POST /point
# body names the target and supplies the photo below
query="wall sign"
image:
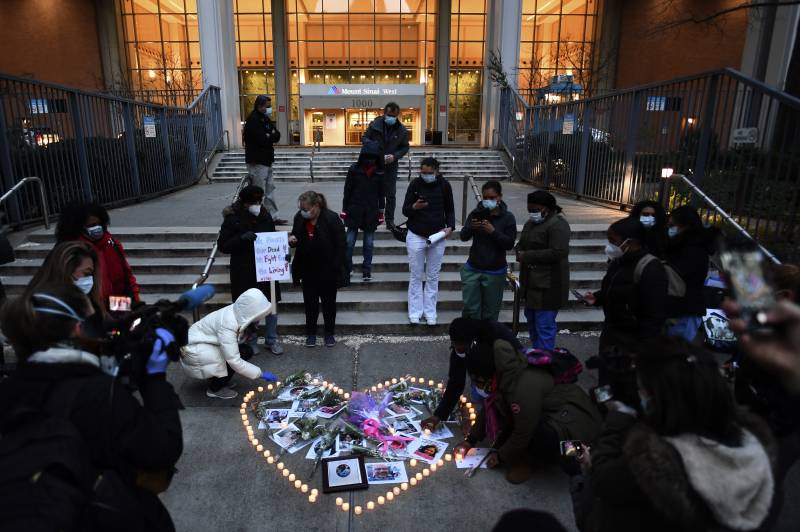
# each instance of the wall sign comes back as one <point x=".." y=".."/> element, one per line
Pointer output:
<point x="744" y="135"/>
<point x="568" y="127"/>
<point x="149" y="127"/>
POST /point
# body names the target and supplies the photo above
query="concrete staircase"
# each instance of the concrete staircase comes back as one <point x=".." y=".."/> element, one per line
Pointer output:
<point x="167" y="261"/>
<point x="331" y="164"/>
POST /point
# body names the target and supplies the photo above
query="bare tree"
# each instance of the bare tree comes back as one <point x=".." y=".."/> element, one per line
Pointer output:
<point x="666" y="19"/>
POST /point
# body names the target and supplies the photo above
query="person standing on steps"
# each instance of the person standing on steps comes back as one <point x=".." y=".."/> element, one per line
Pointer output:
<point x="362" y="205"/>
<point x="318" y="236"/>
<point x="246" y="217"/>
<point x="431" y="214"/>
<point x="259" y="136"/>
<point x="392" y="137"/>
<point x="493" y="231"/>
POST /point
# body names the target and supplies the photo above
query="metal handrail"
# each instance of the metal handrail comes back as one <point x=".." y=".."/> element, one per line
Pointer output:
<point x="311" y="165"/>
<point x="214" y="250"/>
<point x="213" y="152"/>
<point x="725" y="216"/>
<point x="409" y="165"/>
<point x="42" y="196"/>
<point x="468" y="182"/>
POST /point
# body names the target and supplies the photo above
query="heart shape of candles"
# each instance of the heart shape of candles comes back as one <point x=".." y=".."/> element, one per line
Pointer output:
<point x="378" y="495"/>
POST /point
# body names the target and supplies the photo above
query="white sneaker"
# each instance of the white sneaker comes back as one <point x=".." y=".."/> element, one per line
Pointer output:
<point x="413" y="320"/>
<point x="430" y="321"/>
<point x="224" y="393"/>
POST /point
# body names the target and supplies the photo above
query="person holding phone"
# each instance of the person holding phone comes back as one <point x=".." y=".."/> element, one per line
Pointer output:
<point x="543" y="254"/>
<point x="430" y="211"/>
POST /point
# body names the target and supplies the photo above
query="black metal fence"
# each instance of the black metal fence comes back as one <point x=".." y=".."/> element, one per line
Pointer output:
<point x="737" y="139"/>
<point x="97" y="147"/>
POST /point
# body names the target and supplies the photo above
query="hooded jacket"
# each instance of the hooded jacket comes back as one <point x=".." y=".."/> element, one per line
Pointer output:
<point x="526" y="397"/>
<point x="488" y="251"/>
<point x="363" y="193"/>
<point x="643" y="481"/>
<point x="544" y="252"/>
<point x="214" y="340"/>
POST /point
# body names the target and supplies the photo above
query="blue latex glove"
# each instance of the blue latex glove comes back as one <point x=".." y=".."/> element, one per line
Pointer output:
<point x="269" y="377"/>
<point x="158" y="361"/>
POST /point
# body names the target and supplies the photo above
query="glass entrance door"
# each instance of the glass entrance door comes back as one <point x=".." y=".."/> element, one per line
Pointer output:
<point x="357" y="122"/>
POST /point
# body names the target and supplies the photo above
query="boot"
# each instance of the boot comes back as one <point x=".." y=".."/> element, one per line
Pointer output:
<point x="518" y="472"/>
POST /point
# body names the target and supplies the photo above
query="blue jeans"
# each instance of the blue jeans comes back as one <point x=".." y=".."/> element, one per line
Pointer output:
<point x="368" y="241"/>
<point x="270" y="332"/>
<point x="686" y="327"/>
<point x="542" y="327"/>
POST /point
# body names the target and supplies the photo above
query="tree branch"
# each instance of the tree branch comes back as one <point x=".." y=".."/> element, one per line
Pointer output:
<point x="710" y="18"/>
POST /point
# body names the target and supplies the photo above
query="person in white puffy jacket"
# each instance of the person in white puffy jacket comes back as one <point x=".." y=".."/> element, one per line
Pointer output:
<point x="212" y="352"/>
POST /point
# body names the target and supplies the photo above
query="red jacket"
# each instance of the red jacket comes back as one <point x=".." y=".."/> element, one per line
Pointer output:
<point x="118" y="278"/>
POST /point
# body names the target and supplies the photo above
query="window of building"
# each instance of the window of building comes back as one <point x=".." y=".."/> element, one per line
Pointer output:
<point x="252" y="20"/>
<point x="557" y="38"/>
<point x="467" y="38"/>
<point x="162" y="44"/>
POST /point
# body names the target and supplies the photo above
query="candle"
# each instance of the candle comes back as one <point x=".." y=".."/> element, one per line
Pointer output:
<point x="394" y="381"/>
<point x="298" y="483"/>
<point x="427" y="432"/>
<point x="244" y="416"/>
<point x="347" y="396"/>
<point x="412" y="481"/>
<point x="285" y="472"/>
<point x="315" y="492"/>
<point x="346" y="507"/>
<point x="469" y="405"/>
<point x="396" y="490"/>
<point x="387" y="383"/>
<point x="244" y="405"/>
<point x="418" y="476"/>
<point x="440" y="386"/>
<point x="404" y="486"/>
<point x="339" y="501"/>
<point x="312" y="498"/>
<point x="266" y="453"/>
<point x="440" y="463"/>
<point x="357" y="510"/>
<point x="280" y="465"/>
<point x="389" y="496"/>
<point x="381" y="500"/>
<point x="277" y="384"/>
<point x="270" y="460"/>
<point x="292" y="476"/>
<point x="325" y="384"/>
<point x="269" y="387"/>
<point x="304" y="488"/>
<point x="259" y="447"/>
<point x="448" y="457"/>
<point x="431" y="382"/>
<point x="315" y="382"/>
<point x="260" y="389"/>
<point x="374" y="389"/>
<point x="463" y="399"/>
<point x="370" y="505"/>
<point x="413" y="379"/>
<point x="413" y="462"/>
<point x="380" y="386"/>
<point x="255" y="441"/>
<point x="426" y="472"/>
<point x="243" y="411"/>
<point x="433" y="468"/>
<point x="472" y="417"/>
<point x="422" y="380"/>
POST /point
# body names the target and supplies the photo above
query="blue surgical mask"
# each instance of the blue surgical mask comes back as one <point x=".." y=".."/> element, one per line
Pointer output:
<point x="268" y="111"/>
<point x="85" y="284"/>
<point x="95" y="232"/>
<point x="672" y="232"/>
<point x="389" y="120"/>
<point x="489" y="204"/>
<point x="482" y="393"/>
<point x="536" y="217"/>
<point x="428" y="178"/>
<point x="647" y="221"/>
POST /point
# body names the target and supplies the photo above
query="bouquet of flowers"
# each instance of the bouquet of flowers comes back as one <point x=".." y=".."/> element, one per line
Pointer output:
<point x="309" y="427"/>
<point x="298" y="379"/>
<point x="330" y="398"/>
<point x="327" y="443"/>
<point x="433" y="399"/>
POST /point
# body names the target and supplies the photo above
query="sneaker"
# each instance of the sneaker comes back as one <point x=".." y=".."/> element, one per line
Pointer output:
<point x="366" y="277"/>
<point x="413" y="320"/>
<point x="311" y="341"/>
<point x="223" y="393"/>
<point x="275" y="348"/>
<point x="430" y="321"/>
<point x="330" y="341"/>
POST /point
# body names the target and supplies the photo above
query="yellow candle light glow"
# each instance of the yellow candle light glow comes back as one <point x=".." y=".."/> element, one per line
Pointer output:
<point x="298" y="483"/>
<point x="413" y="379"/>
<point x="404" y="486"/>
<point x="426" y="472"/>
<point x="278" y="384"/>
<point x="286" y="473"/>
<point x="259" y="447"/>
<point x="448" y="457"/>
<point x="266" y="453"/>
<point x="413" y="462"/>
<point x="469" y="405"/>
<point x="304" y="488"/>
<point x="387" y="383"/>
<point x="255" y="441"/>
<point x="244" y="416"/>
<point x="315" y="492"/>
<point x="370" y="505"/>
<point x="394" y="381"/>
<point x="374" y="389"/>
<point x="357" y="510"/>
<point x="269" y="387"/>
<point x="280" y="465"/>
<point x="396" y="490"/>
<point x="440" y="463"/>
<point x="389" y="496"/>
<point x="440" y="386"/>
<point x="463" y="399"/>
<point x="244" y="405"/>
<point x="431" y="382"/>
<point x="325" y="384"/>
<point x="422" y="380"/>
<point x="312" y="498"/>
<point x="339" y="501"/>
<point x="347" y="396"/>
<point x="315" y="382"/>
<point x="270" y="460"/>
<point x="433" y="468"/>
<point x="381" y="500"/>
<point x="345" y="506"/>
<point x="260" y="389"/>
<point x="412" y="481"/>
<point x="380" y="386"/>
<point x="427" y="432"/>
<point x="418" y="476"/>
<point x="292" y="476"/>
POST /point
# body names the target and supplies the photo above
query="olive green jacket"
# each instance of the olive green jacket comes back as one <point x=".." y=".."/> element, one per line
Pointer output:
<point x="544" y="253"/>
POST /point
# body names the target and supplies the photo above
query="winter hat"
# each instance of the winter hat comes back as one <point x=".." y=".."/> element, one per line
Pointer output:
<point x="251" y="194"/>
<point x="261" y="100"/>
<point x="629" y="228"/>
<point x="541" y="197"/>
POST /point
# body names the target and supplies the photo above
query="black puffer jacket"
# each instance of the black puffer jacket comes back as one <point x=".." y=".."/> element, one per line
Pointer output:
<point x="392" y="140"/>
<point x="439" y="213"/>
<point x="259" y="135"/>
<point x="688" y="253"/>
<point x="321" y="257"/>
<point x="238" y="221"/>
<point x="363" y="197"/>
<point x="488" y="251"/>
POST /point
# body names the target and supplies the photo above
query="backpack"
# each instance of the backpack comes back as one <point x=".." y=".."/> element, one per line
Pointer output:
<point x="47" y="479"/>
<point x="564" y="366"/>
<point x="676" y="286"/>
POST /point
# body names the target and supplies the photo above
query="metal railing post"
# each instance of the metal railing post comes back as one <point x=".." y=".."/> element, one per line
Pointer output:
<point x="464" y="188"/>
<point x="167" y="151"/>
<point x="80" y="144"/>
<point x="583" y="164"/>
<point x="630" y="149"/>
<point x="130" y="145"/>
<point x="191" y="144"/>
<point x="42" y="196"/>
<point x="7" y="167"/>
<point x="705" y="130"/>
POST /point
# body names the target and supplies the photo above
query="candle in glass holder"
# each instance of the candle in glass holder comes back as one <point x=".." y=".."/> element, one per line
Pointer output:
<point x="380" y="386"/>
<point x="440" y="463"/>
<point x="345" y="506"/>
<point x="413" y="380"/>
<point x="339" y="501"/>
<point x="259" y="447"/>
<point x="413" y="462"/>
<point x="418" y="476"/>
<point x="463" y="399"/>
<point x="448" y="457"/>
<point x="277" y="384"/>
<point x="286" y="473"/>
<point x="254" y="441"/>
<point x="298" y="483"/>
<point x="357" y="510"/>
<point x="422" y="380"/>
<point x="312" y="498"/>
<point x="370" y="505"/>
<point x="433" y="468"/>
<point x="394" y="381"/>
<point x="412" y="481"/>
<point x="404" y="486"/>
<point x="389" y="496"/>
<point x="396" y="490"/>
<point x="440" y="386"/>
<point x="269" y="387"/>
<point x="381" y="500"/>
<point x="292" y="477"/>
<point x="431" y="382"/>
<point x="260" y="389"/>
<point x="374" y="389"/>
<point x="304" y="488"/>
<point x="244" y="416"/>
<point x="469" y="405"/>
<point x="266" y="453"/>
<point x="387" y="383"/>
<point x="280" y="465"/>
<point x="270" y="460"/>
<point x="315" y="492"/>
<point x="347" y="396"/>
<point x="426" y="472"/>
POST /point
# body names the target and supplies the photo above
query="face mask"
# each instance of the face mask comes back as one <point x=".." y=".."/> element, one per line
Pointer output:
<point x="647" y="221"/>
<point x="428" y="178"/>
<point x="672" y="232"/>
<point x="268" y="111"/>
<point x="613" y="251"/>
<point x="482" y="393"/>
<point x="460" y="355"/>
<point x="389" y="120"/>
<point x="489" y="204"/>
<point x="255" y="210"/>
<point x="95" y="232"/>
<point x="85" y="284"/>
<point x="536" y="217"/>
<point x="305" y="214"/>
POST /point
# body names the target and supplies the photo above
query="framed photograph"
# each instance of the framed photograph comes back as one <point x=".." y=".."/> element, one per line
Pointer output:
<point x="386" y="473"/>
<point x="344" y="473"/>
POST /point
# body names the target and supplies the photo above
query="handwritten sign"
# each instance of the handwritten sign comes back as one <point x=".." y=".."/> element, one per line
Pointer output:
<point x="270" y="251"/>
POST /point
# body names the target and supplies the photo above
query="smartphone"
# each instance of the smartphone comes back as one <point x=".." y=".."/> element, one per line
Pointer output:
<point x="572" y="448"/>
<point x="745" y="270"/>
<point x="119" y="303"/>
<point x="420" y="197"/>
<point x="603" y="393"/>
<point x="579" y="297"/>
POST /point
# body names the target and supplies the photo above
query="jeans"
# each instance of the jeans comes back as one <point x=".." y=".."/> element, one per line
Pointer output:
<point x="270" y="329"/>
<point x="686" y="327"/>
<point x="390" y="191"/>
<point x="482" y="294"/>
<point x="542" y="327"/>
<point x="424" y="264"/>
<point x="261" y="176"/>
<point x="314" y="291"/>
<point x="368" y="243"/>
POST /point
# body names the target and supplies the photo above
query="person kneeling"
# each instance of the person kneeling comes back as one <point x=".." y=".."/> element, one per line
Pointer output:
<point x="213" y="349"/>
<point x="526" y="414"/>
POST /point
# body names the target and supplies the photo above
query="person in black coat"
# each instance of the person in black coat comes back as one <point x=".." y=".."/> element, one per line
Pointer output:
<point x="319" y="262"/>
<point x="258" y="137"/>
<point x="653" y="218"/>
<point x="246" y="217"/>
<point x="362" y="205"/>
<point x="634" y="309"/>
<point x="688" y="250"/>
<point x="138" y="442"/>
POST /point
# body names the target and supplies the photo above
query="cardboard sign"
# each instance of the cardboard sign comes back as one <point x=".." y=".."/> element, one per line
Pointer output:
<point x="271" y="250"/>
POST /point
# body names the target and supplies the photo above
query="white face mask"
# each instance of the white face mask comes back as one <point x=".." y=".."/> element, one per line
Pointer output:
<point x="269" y="111"/>
<point x="647" y="221"/>
<point x="460" y="355"/>
<point x="95" y="232"/>
<point x="85" y="284"/>
<point x="255" y="210"/>
<point x="305" y="214"/>
<point x="672" y="232"/>
<point x="428" y="178"/>
<point x="613" y="251"/>
<point x="536" y="217"/>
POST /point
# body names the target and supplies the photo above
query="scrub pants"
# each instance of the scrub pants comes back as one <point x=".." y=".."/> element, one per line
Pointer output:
<point x="482" y="294"/>
<point x="542" y="327"/>
<point x="425" y="265"/>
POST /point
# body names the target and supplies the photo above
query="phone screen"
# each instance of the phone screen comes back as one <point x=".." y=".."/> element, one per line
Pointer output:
<point x="603" y="393"/>
<point x="748" y="280"/>
<point x="571" y="448"/>
<point x="119" y="303"/>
